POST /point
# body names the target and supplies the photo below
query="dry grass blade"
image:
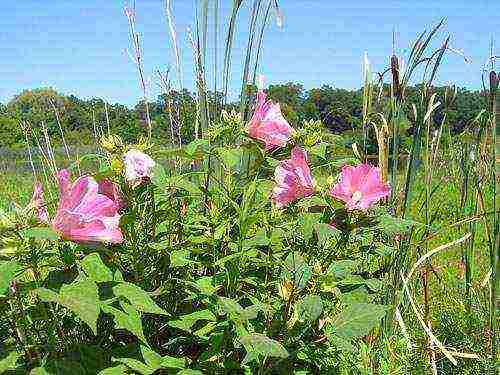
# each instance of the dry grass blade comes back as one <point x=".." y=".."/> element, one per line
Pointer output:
<point x="427" y="330"/>
<point x="433" y="252"/>
<point x="173" y="35"/>
<point x="404" y="331"/>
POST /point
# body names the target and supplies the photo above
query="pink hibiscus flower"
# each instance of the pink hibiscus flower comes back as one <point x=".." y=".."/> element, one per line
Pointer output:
<point x="268" y="124"/>
<point x="38" y="203"/>
<point x="360" y="187"/>
<point x="84" y="214"/>
<point x="109" y="189"/>
<point x="293" y="179"/>
<point x="138" y="167"/>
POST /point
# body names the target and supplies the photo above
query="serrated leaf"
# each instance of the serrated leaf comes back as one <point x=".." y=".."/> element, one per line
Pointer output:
<point x="204" y="285"/>
<point x="7" y="272"/>
<point x="152" y="359"/>
<point x="159" y="176"/>
<point x="117" y="370"/>
<point x="342" y="268"/>
<point x="40" y="233"/>
<point x="374" y="284"/>
<point x="309" y="308"/>
<point x="173" y="362"/>
<point x="358" y="319"/>
<point x="312" y="201"/>
<point x="229" y="306"/>
<point x="138" y="298"/>
<point x="341" y="343"/>
<point x="392" y="225"/>
<point x="9" y="362"/>
<point x="60" y="367"/>
<point x="325" y="232"/>
<point x="260" y="239"/>
<point x="263" y="345"/>
<point x="186" y="322"/>
<point x="136" y="365"/>
<point x="358" y="295"/>
<point x="297" y="270"/>
<point x="129" y="320"/>
<point x="306" y="222"/>
<point x="351" y="280"/>
<point x="81" y="297"/>
<point x="230" y="156"/>
<point x="196" y="149"/>
<point x="94" y="268"/>
<point x="179" y="258"/>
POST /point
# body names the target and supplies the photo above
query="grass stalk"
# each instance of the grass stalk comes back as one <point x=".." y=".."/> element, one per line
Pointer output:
<point x="495" y="249"/>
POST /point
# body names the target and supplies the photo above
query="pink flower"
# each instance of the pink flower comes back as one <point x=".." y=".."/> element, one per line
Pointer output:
<point x="360" y="187"/>
<point x="38" y="203"/>
<point x="293" y="179"/>
<point x="84" y="215"/>
<point x="268" y="124"/>
<point x="109" y="189"/>
<point x="138" y="167"/>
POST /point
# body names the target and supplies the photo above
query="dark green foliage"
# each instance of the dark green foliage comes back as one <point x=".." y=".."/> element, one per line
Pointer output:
<point x="338" y="109"/>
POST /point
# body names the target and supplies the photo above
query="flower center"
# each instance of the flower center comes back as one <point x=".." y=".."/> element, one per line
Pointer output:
<point x="356" y="196"/>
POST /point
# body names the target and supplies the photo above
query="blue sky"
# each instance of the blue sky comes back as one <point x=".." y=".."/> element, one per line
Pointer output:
<point x="77" y="46"/>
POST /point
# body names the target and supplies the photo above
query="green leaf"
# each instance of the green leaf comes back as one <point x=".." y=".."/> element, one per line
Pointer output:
<point x="260" y="239"/>
<point x="342" y="268"/>
<point x="117" y="370"/>
<point x="358" y="295"/>
<point x="40" y="233"/>
<point x="153" y="359"/>
<point x="189" y="371"/>
<point x="186" y="322"/>
<point x="312" y="201"/>
<point x="60" y="367"/>
<point x="173" y="362"/>
<point x="230" y="156"/>
<point x="392" y="225"/>
<point x="81" y="297"/>
<point x="297" y="270"/>
<point x="263" y="345"/>
<point x="94" y="267"/>
<point x="309" y="308"/>
<point x="341" y="343"/>
<point x="129" y="320"/>
<point x="351" y="280"/>
<point x="138" y="298"/>
<point x="179" y="258"/>
<point x="229" y="306"/>
<point x="196" y="149"/>
<point x="374" y="284"/>
<point x="358" y="319"/>
<point x="307" y="221"/>
<point x="7" y="272"/>
<point x="39" y="371"/>
<point x="159" y="176"/>
<point x="204" y="285"/>
<point x="9" y="362"/>
<point x="325" y="232"/>
<point x="319" y="150"/>
<point x="136" y="365"/>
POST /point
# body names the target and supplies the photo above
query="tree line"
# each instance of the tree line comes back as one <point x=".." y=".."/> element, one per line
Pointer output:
<point x="340" y="110"/>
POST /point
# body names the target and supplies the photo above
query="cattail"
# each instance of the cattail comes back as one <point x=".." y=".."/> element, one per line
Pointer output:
<point x="494" y="78"/>
<point x="395" y="77"/>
